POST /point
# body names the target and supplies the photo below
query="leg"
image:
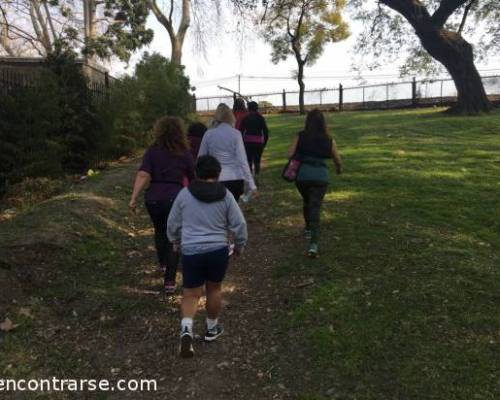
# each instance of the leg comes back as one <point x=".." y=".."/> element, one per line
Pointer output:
<point x="248" y="149"/>
<point x="303" y="189"/>
<point x="189" y="303"/>
<point x="216" y="262"/>
<point x="172" y="258"/>
<point x="214" y="299"/>
<point x="193" y="281"/>
<point x="258" y="156"/>
<point x="159" y="217"/>
<point x="235" y="187"/>
<point x="317" y="193"/>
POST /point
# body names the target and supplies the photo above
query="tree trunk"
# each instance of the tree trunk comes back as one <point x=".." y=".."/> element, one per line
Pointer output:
<point x="455" y="53"/>
<point x="302" y="87"/>
<point x="176" y="57"/>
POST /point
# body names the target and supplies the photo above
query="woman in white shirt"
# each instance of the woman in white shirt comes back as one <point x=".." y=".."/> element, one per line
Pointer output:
<point x="225" y="143"/>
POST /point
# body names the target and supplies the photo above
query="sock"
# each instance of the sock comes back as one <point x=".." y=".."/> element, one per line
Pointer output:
<point x="187" y="323"/>
<point x="212" y="323"/>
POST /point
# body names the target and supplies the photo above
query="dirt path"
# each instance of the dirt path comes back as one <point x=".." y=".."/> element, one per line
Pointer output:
<point x="89" y="326"/>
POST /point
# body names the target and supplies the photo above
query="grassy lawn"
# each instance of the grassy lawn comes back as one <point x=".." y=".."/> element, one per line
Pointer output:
<point x="404" y="302"/>
<point x="406" y="299"/>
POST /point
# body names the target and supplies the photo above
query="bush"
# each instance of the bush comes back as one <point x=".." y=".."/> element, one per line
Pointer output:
<point x="157" y="88"/>
<point x="49" y="129"/>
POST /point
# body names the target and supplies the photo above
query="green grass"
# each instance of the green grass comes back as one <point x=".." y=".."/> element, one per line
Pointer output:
<point x="406" y="300"/>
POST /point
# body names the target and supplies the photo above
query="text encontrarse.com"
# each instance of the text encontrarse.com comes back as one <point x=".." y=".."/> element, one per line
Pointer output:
<point x="77" y="385"/>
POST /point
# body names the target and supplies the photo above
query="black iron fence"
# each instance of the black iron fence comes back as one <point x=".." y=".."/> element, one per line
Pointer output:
<point x="12" y="79"/>
<point x="414" y="93"/>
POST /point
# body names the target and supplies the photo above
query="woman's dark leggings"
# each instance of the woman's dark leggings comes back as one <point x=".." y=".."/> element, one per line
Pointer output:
<point x="312" y="193"/>
<point x="158" y="211"/>
<point x="237" y="187"/>
<point x="254" y="155"/>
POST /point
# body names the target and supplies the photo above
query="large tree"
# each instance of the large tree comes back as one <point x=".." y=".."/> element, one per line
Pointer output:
<point x="445" y="29"/>
<point x="96" y="27"/>
<point x="202" y="17"/>
<point x="302" y="28"/>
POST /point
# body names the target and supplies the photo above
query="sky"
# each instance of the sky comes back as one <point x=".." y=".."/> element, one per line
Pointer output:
<point x="229" y="56"/>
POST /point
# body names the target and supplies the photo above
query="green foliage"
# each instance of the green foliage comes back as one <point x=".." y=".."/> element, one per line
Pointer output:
<point x="51" y="128"/>
<point x="158" y="88"/>
<point x="388" y="36"/>
<point x="302" y="28"/>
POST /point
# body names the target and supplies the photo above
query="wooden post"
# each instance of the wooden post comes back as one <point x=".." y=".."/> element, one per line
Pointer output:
<point x="414" y="92"/>
<point x="341" y="97"/>
<point x="284" y="100"/>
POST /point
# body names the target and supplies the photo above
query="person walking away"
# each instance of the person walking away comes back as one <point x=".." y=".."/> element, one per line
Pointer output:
<point x="239" y="111"/>
<point x="165" y="166"/>
<point x="255" y="137"/>
<point x="226" y="144"/>
<point x="201" y="217"/>
<point x="196" y="130"/>
<point x="314" y="147"/>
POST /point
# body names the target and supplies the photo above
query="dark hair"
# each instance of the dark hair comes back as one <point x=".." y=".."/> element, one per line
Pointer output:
<point x="197" y="129"/>
<point x="253" y="106"/>
<point x="316" y="124"/>
<point x="207" y="167"/>
<point x="239" y="105"/>
<point x="170" y="134"/>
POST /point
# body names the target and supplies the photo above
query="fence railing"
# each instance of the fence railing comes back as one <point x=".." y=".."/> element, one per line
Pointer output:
<point x="412" y="93"/>
<point x="12" y="79"/>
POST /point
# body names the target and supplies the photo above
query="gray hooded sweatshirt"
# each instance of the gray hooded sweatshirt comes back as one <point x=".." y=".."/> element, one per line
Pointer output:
<point x="202" y="215"/>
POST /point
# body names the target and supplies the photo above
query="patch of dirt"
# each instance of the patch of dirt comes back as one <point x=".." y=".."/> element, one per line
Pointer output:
<point x="241" y="364"/>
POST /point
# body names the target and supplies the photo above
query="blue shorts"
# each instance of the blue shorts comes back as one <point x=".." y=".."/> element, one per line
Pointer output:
<point x="200" y="268"/>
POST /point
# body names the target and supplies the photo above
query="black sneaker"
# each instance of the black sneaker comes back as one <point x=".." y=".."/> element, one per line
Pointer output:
<point x="187" y="350"/>
<point x="214" y="333"/>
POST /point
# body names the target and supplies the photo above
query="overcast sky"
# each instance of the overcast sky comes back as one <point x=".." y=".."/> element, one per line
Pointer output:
<point x="227" y="57"/>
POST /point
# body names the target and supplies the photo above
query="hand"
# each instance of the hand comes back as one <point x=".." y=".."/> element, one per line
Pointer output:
<point x="176" y="247"/>
<point x="132" y="206"/>
<point x="238" y="251"/>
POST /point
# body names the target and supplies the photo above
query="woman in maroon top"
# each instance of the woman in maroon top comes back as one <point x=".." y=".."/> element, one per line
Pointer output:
<point x="165" y="166"/>
<point x="239" y="111"/>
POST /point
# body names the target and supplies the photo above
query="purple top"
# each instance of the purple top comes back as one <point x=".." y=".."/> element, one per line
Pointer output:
<point x="168" y="172"/>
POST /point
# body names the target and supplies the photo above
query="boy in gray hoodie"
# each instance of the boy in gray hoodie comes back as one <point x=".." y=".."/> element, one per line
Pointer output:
<point x="200" y="219"/>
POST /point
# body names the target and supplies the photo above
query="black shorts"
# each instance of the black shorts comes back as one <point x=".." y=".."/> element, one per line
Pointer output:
<point x="200" y="268"/>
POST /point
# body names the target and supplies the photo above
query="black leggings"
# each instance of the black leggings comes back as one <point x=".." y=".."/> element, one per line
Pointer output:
<point x="158" y="211"/>
<point x="312" y="193"/>
<point x="235" y="187"/>
<point x="254" y="155"/>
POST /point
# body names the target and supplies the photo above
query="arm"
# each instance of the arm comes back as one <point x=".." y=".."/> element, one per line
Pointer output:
<point x="265" y="130"/>
<point x="203" y="146"/>
<point x="142" y="180"/>
<point x="174" y="222"/>
<point x="237" y="224"/>
<point x="336" y="158"/>
<point x="241" y="156"/>
<point x="293" y="147"/>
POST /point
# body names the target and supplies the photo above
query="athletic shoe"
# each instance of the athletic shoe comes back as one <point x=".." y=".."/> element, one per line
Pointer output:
<point x="214" y="333"/>
<point x="186" y="350"/>
<point x="313" y="250"/>
<point x="169" y="287"/>
<point x="308" y="234"/>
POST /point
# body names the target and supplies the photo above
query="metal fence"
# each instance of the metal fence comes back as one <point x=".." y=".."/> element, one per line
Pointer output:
<point x="412" y="93"/>
<point x="12" y="79"/>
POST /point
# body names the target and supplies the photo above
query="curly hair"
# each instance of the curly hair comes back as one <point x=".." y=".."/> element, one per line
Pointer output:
<point x="170" y="134"/>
